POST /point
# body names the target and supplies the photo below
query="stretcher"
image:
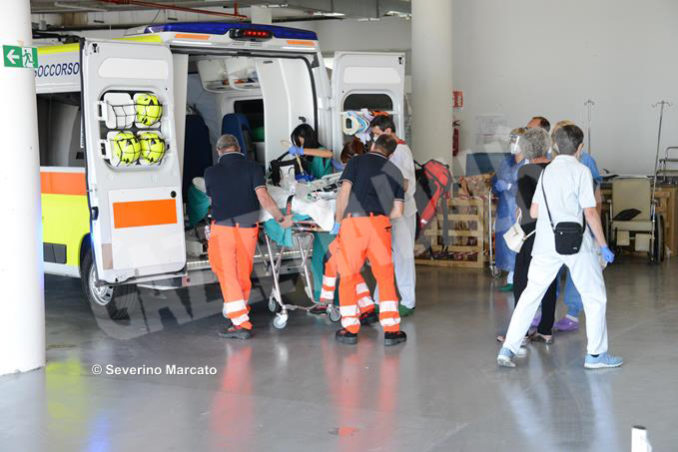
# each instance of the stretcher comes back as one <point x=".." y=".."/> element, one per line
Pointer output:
<point x="302" y="244"/>
<point x="302" y="238"/>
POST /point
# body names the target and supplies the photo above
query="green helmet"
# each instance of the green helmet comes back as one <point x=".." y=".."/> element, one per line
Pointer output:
<point x="148" y="109"/>
<point x="152" y="148"/>
<point x="126" y="149"/>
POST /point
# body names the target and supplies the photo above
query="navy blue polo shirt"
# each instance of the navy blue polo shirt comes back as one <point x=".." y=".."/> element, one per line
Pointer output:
<point x="376" y="184"/>
<point x="232" y="185"/>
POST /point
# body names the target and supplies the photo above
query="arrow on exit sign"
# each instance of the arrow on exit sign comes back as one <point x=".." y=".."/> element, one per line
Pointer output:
<point x="20" y="57"/>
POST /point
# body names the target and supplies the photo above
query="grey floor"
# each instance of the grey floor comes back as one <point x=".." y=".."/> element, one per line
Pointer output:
<point x="297" y="390"/>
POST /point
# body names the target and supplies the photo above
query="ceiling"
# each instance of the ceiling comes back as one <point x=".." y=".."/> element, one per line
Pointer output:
<point x="282" y="10"/>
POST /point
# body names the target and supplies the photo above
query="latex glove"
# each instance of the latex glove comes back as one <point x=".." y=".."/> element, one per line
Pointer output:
<point x="335" y="229"/>
<point x="502" y="185"/>
<point x="295" y="150"/>
<point x="607" y="254"/>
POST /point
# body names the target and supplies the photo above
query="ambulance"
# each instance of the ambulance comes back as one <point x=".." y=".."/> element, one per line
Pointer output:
<point x="119" y="146"/>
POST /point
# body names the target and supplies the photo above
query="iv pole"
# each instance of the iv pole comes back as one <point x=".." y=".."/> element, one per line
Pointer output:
<point x="589" y="105"/>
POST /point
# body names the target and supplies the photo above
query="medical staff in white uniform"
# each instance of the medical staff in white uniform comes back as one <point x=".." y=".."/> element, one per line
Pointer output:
<point x="405" y="227"/>
<point x="565" y="194"/>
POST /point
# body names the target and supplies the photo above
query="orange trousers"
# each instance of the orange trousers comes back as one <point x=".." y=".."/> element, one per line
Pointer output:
<point x="365" y="302"/>
<point x="360" y="238"/>
<point x="231" y="254"/>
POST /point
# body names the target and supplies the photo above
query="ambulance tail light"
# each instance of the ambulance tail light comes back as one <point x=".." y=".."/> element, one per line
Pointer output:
<point x="250" y="35"/>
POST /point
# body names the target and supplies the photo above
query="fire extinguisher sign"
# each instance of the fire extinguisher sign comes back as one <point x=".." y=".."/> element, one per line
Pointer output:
<point x="458" y="97"/>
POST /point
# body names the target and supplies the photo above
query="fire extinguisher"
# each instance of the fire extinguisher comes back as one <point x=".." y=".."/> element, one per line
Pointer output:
<point x="455" y="138"/>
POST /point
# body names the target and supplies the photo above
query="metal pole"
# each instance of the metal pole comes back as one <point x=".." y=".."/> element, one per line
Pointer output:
<point x="661" y="104"/>
<point x="22" y="309"/>
<point x="589" y="104"/>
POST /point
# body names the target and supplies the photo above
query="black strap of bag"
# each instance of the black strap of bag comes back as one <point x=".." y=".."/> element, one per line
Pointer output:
<point x="569" y="235"/>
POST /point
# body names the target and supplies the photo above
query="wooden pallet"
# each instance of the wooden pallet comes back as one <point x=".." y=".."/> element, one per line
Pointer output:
<point x="466" y="234"/>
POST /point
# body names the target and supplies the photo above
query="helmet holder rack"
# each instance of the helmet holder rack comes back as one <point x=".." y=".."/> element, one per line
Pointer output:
<point x="121" y="116"/>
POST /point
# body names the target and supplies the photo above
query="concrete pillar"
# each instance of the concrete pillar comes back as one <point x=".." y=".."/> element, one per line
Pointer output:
<point x="432" y="79"/>
<point x="22" y="307"/>
<point x="260" y="15"/>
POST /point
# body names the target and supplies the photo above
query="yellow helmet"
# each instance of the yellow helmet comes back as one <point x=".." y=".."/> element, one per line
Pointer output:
<point x="148" y="109"/>
<point x="152" y="148"/>
<point x="126" y="149"/>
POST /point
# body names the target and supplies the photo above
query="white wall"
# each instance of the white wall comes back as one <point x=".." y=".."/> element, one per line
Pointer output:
<point x="534" y="57"/>
<point x="528" y="57"/>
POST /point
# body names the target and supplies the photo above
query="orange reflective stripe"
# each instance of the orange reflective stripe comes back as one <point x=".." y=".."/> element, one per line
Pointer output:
<point x="301" y="43"/>
<point x="62" y="183"/>
<point x="133" y="214"/>
<point x="191" y="36"/>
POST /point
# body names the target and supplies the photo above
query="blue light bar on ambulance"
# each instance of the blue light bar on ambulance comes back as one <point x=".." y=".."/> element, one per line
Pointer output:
<point x="220" y="28"/>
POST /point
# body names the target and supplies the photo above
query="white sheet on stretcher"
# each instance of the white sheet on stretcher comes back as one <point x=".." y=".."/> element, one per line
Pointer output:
<point x="320" y="207"/>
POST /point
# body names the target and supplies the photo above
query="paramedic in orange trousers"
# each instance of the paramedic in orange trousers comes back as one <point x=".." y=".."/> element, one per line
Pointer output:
<point x="371" y="193"/>
<point x="238" y="191"/>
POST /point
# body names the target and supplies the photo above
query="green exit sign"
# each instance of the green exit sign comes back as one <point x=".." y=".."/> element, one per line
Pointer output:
<point x="20" y="57"/>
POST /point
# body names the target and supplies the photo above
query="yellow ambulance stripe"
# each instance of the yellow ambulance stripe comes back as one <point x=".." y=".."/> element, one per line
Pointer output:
<point x="146" y="38"/>
<point x="65" y="220"/>
<point x="63" y="48"/>
<point x="75" y="47"/>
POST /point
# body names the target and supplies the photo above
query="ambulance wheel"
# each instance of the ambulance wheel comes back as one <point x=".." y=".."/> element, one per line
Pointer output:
<point x="333" y="313"/>
<point x="113" y="302"/>
<point x="280" y="321"/>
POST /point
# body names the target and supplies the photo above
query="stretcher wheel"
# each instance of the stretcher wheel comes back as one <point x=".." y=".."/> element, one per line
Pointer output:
<point x="280" y="321"/>
<point x="333" y="313"/>
<point x="272" y="305"/>
<point x="495" y="272"/>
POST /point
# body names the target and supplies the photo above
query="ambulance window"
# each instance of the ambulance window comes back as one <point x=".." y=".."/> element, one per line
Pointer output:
<point x="59" y="122"/>
<point x="381" y="102"/>
<point x="253" y="110"/>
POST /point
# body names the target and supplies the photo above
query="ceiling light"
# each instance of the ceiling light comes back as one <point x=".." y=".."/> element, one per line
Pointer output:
<point x="400" y="14"/>
<point x="275" y="5"/>
<point x="328" y="14"/>
<point x="369" y="19"/>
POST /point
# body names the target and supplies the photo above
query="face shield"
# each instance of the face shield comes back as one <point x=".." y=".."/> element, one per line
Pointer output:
<point x="513" y="144"/>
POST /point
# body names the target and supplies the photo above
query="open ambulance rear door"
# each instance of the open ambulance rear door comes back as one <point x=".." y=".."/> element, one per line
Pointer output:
<point x="134" y="190"/>
<point x="371" y="80"/>
<point x="289" y="92"/>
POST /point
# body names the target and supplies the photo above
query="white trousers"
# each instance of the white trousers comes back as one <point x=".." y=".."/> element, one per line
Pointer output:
<point x="403" y="231"/>
<point x="588" y="279"/>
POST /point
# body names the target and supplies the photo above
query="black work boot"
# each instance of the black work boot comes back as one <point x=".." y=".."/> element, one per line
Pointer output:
<point x="369" y="317"/>
<point x="346" y="337"/>
<point x="235" y="332"/>
<point x="394" y="338"/>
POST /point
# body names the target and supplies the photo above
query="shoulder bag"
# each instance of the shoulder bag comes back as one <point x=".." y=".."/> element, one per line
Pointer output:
<point x="568" y="234"/>
<point x="515" y="236"/>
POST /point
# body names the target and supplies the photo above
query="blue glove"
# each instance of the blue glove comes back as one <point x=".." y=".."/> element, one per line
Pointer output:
<point x="607" y="253"/>
<point x="335" y="229"/>
<point x="502" y="185"/>
<point x="295" y="150"/>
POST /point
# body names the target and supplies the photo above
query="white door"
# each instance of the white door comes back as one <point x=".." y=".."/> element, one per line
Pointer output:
<point x="289" y="100"/>
<point x="371" y="80"/>
<point x="133" y="172"/>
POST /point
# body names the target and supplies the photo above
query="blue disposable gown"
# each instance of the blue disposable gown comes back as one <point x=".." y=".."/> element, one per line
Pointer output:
<point x="506" y="210"/>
